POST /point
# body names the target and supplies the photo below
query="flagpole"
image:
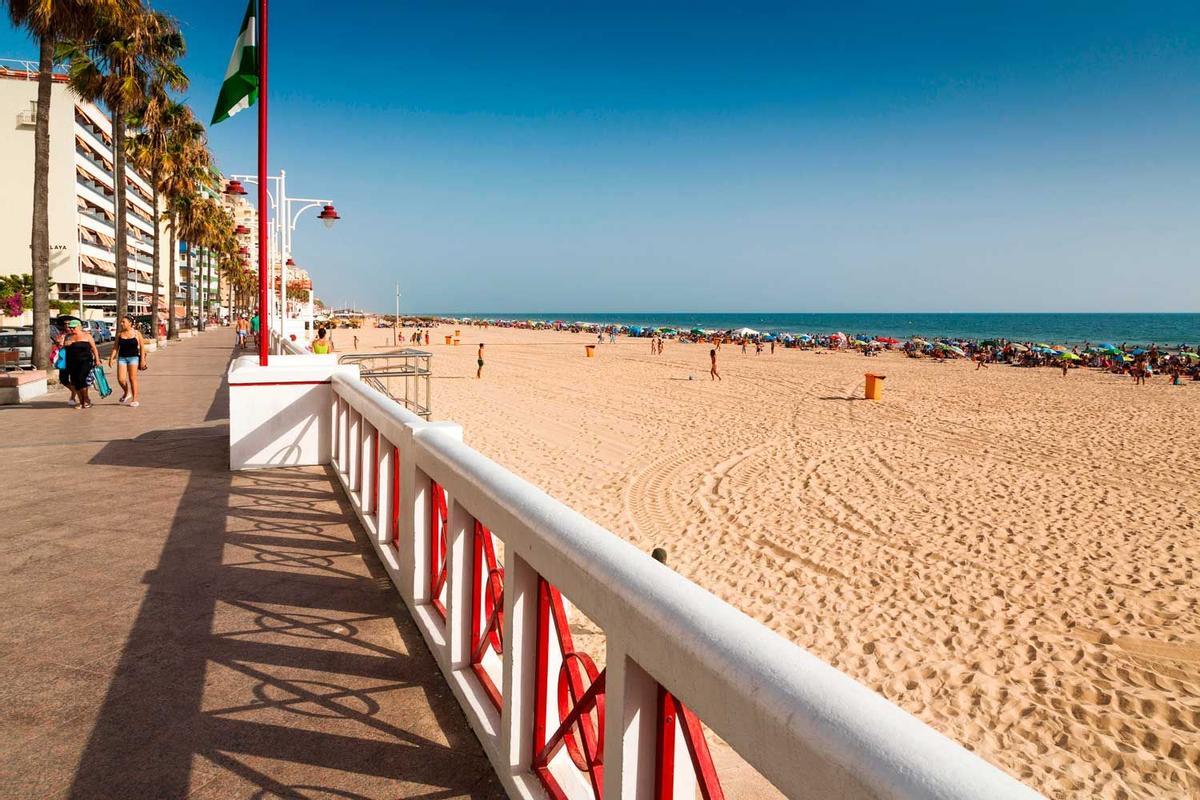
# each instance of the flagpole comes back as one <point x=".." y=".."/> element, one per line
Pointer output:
<point x="264" y="316"/>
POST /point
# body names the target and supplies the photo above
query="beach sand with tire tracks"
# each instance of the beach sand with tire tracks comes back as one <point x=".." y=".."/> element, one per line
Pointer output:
<point x="1008" y="554"/>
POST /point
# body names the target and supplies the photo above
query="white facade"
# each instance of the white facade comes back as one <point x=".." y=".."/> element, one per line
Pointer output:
<point x="82" y="207"/>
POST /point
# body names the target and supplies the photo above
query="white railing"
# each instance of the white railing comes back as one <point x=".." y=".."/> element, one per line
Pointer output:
<point x="810" y="730"/>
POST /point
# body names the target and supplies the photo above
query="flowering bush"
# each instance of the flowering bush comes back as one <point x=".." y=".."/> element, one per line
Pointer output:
<point x="14" y="305"/>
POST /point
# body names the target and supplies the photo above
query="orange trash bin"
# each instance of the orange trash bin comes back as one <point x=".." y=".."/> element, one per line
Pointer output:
<point x="874" y="386"/>
<point x="449" y="339"/>
<point x="591" y="350"/>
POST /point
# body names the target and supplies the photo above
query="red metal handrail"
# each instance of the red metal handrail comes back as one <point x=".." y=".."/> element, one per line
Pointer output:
<point x="487" y="609"/>
<point x="577" y="701"/>
<point x="673" y="715"/>
<point x="438" y="523"/>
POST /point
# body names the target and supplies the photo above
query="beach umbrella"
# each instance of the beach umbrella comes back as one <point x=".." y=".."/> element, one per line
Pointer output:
<point x="745" y="332"/>
<point x="1106" y="346"/>
<point x="1193" y="356"/>
<point x="1020" y="348"/>
<point x="1139" y="351"/>
<point x="1068" y="356"/>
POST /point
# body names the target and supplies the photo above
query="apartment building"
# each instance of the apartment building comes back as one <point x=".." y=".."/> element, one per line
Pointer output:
<point x="82" y="212"/>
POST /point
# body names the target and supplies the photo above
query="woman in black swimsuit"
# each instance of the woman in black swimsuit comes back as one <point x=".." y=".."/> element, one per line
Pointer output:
<point x="82" y="355"/>
<point x="130" y="356"/>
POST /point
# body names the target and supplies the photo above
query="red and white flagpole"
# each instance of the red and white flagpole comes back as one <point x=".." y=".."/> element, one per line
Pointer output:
<point x="264" y="319"/>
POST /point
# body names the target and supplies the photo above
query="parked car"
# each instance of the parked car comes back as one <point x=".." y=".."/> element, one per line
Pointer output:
<point x="96" y="328"/>
<point x="20" y="341"/>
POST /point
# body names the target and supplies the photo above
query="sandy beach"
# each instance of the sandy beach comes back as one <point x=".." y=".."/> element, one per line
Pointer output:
<point x="1009" y="554"/>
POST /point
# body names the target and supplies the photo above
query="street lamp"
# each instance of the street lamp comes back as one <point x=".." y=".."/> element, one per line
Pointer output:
<point x="284" y="224"/>
<point x="234" y="187"/>
<point x="329" y="215"/>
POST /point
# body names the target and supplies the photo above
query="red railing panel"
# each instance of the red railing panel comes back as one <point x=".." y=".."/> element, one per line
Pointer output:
<point x="580" y="702"/>
<point x="375" y="483"/>
<point x="487" y="609"/>
<point x="439" y="521"/>
<point x="674" y="716"/>
<point x="394" y="509"/>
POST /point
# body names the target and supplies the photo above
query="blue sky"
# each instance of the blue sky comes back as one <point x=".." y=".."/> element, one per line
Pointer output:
<point x="730" y="157"/>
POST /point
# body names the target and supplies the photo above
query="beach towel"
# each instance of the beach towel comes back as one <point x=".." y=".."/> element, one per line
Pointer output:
<point x="101" y="381"/>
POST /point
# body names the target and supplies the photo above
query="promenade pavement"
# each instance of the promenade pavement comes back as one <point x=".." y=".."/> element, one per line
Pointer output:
<point x="171" y="629"/>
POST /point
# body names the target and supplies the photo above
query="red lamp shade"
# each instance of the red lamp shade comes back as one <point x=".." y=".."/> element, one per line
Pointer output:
<point x="244" y="251"/>
<point x="290" y="262"/>
<point x="329" y="216"/>
<point x="235" y="188"/>
<point x="241" y="230"/>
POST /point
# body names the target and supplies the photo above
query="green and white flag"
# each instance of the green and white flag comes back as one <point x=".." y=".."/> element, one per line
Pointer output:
<point x="240" y="89"/>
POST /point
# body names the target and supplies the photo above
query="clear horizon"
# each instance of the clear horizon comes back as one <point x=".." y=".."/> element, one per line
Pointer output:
<point x="932" y="156"/>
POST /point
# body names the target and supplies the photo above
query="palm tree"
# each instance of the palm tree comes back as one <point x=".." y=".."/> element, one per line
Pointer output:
<point x="133" y="50"/>
<point x="50" y="22"/>
<point x="185" y="165"/>
<point x="148" y="149"/>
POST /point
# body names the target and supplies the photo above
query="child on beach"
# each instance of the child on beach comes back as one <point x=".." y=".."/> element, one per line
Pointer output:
<point x="479" y="362"/>
<point x="713" y="375"/>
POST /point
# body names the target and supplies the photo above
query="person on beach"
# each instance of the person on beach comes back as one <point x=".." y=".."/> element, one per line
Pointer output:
<point x="713" y="375"/>
<point x="479" y="362"/>
<point x="654" y="345"/>
<point x="757" y="347"/>
<point x="129" y="353"/>
<point x="426" y="338"/>
<point x="322" y="345"/>
<point x="82" y="356"/>
<point x="1063" y="364"/>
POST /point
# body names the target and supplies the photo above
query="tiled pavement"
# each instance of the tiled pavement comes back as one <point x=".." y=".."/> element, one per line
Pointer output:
<point x="171" y="629"/>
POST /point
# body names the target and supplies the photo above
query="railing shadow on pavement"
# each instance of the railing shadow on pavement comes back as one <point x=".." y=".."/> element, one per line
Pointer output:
<point x="261" y="662"/>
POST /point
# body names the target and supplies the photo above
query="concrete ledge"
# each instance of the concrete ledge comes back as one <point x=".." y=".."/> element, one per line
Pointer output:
<point x="280" y="415"/>
<point x="21" y="386"/>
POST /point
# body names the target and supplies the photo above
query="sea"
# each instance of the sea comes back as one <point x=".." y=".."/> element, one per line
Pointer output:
<point x="1164" y="329"/>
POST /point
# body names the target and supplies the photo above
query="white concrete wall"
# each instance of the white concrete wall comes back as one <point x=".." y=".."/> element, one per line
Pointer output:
<point x="279" y="415"/>
<point x="16" y="178"/>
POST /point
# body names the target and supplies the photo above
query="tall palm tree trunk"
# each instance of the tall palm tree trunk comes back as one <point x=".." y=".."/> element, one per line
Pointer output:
<point x="172" y="329"/>
<point x="155" y="270"/>
<point x="118" y="148"/>
<point x="208" y="287"/>
<point x="39" y="244"/>
<point x="187" y="308"/>
<point x="202" y="291"/>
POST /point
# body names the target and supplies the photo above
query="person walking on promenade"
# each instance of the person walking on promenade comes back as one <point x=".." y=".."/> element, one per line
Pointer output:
<point x="713" y="375"/>
<point x="82" y="355"/>
<point x="322" y="344"/>
<point x="479" y="362"/>
<point x="242" y="329"/>
<point x="130" y="355"/>
<point x="58" y="358"/>
<point x="254" y="327"/>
